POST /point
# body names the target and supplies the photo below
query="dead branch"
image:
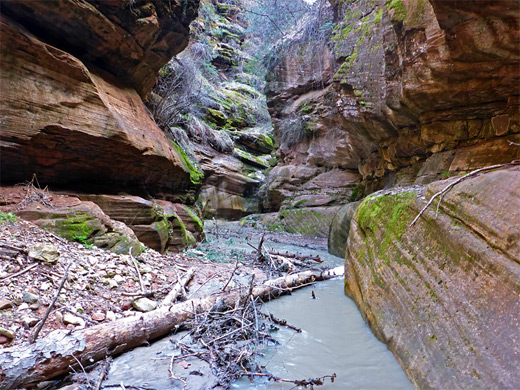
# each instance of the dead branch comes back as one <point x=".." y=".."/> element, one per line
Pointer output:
<point x="281" y="322"/>
<point x="298" y="256"/>
<point x="172" y="375"/>
<point x="452" y="184"/>
<point x="232" y="274"/>
<point x="19" y="273"/>
<point x="102" y="374"/>
<point x="46" y="358"/>
<point x="179" y="288"/>
<point x="134" y="261"/>
<point x="13" y="247"/>
<point x="297" y="382"/>
<point x="49" y="309"/>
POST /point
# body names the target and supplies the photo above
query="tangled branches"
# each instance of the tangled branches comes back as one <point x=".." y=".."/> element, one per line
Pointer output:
<point x="228" y="339"/>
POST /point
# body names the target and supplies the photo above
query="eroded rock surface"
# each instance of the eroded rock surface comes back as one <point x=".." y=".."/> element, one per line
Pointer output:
<point x="78" y="127"/>
<point x="420" y="90"/>
<point x="443" y="294"/>
<point x="132" y="40"/>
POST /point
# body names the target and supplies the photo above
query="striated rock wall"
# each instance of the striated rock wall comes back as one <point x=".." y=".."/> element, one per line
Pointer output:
<point x="443" y="294"/>
<point x="420" y="90"/>
<point x="73" y="76"/>
<point x="130" y="39"/>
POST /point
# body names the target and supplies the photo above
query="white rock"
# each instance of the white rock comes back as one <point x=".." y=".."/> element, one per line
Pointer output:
<point x="110" y="316"/>
<point x="119" y="279"/>
<point x="45" y="286"/>
<point x="44" y="252"/>
<point x="29" y="321"/>
<point x="144" y="304"/>
<point x="73" y="320"/>
<point x="111" y="283"/>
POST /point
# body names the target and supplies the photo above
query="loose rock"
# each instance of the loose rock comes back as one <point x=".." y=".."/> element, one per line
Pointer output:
<point x="5" y="304"/>
<point x="73" y="320"/>
<point x="44" y="252"/>
<point x="98" y="316"/>
<point x="144" y="304"/>
<point x="7" y="333"/>
<point x="29" y="321"/>
<point x="29" y="297"/>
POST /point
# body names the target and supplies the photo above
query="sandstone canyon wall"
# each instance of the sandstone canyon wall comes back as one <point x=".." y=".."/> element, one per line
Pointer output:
<point x="74" y="75"/>
<point x="400" y="92"/>
<point x="403" y="94"/>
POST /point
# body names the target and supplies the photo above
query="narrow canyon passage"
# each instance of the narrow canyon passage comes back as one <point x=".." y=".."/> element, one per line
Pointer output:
<point x="166" y="166"/>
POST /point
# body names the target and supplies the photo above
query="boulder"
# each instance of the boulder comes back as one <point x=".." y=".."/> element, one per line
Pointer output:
<point x="228" y="191"/>
<point x="443" y="293"/>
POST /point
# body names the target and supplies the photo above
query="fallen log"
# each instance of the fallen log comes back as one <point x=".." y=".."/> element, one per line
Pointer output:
<point x="297" y="256"/>
<point x="60" y="351"/>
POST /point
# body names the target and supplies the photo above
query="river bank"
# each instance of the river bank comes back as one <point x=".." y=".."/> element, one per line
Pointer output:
<point x="102" y="287"/>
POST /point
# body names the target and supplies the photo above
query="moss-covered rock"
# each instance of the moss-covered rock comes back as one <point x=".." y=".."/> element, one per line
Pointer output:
<point x="435" y="290"/>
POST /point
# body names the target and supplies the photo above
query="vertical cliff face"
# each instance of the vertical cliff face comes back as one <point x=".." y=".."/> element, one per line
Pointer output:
<point x="73" y="75"/>
<point x="419" y="89"/>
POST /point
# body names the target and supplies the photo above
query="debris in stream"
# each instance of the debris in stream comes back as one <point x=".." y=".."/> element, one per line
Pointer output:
<point x="307" y="383"/>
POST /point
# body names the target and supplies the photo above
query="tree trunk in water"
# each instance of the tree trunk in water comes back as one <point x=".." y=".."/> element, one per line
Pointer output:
<point x="27" y="365"/>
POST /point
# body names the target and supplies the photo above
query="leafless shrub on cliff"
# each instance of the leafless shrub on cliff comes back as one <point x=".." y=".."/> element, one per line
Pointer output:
<point x="292" y="130"/>
<point x="200" y="132"/>
<point x="180" y="90"/>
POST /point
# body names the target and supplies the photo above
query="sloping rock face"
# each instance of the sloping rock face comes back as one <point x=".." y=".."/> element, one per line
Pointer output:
<point x="443" y="294"/>
<point x="420" y="90"/>
<point x="70" y="217"/>
<point x="73" y="123"/>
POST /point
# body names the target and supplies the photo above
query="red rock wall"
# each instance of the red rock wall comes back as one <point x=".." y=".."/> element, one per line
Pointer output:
<point x="71" y="110"/>
<point x="420" y="89"/>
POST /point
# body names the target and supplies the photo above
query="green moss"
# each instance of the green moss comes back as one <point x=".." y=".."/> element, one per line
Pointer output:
<point x="196" y="175"/>
<point x="216" y="117"/>
<point x="378" y="16"/>
<point x="195" y="218"/>
<point x="385" y="219"/>
<point x="357" y="193"/>
<point x="399" y="9"/>
<point x="80" y="228"/>
<point x="306" y="110"/>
